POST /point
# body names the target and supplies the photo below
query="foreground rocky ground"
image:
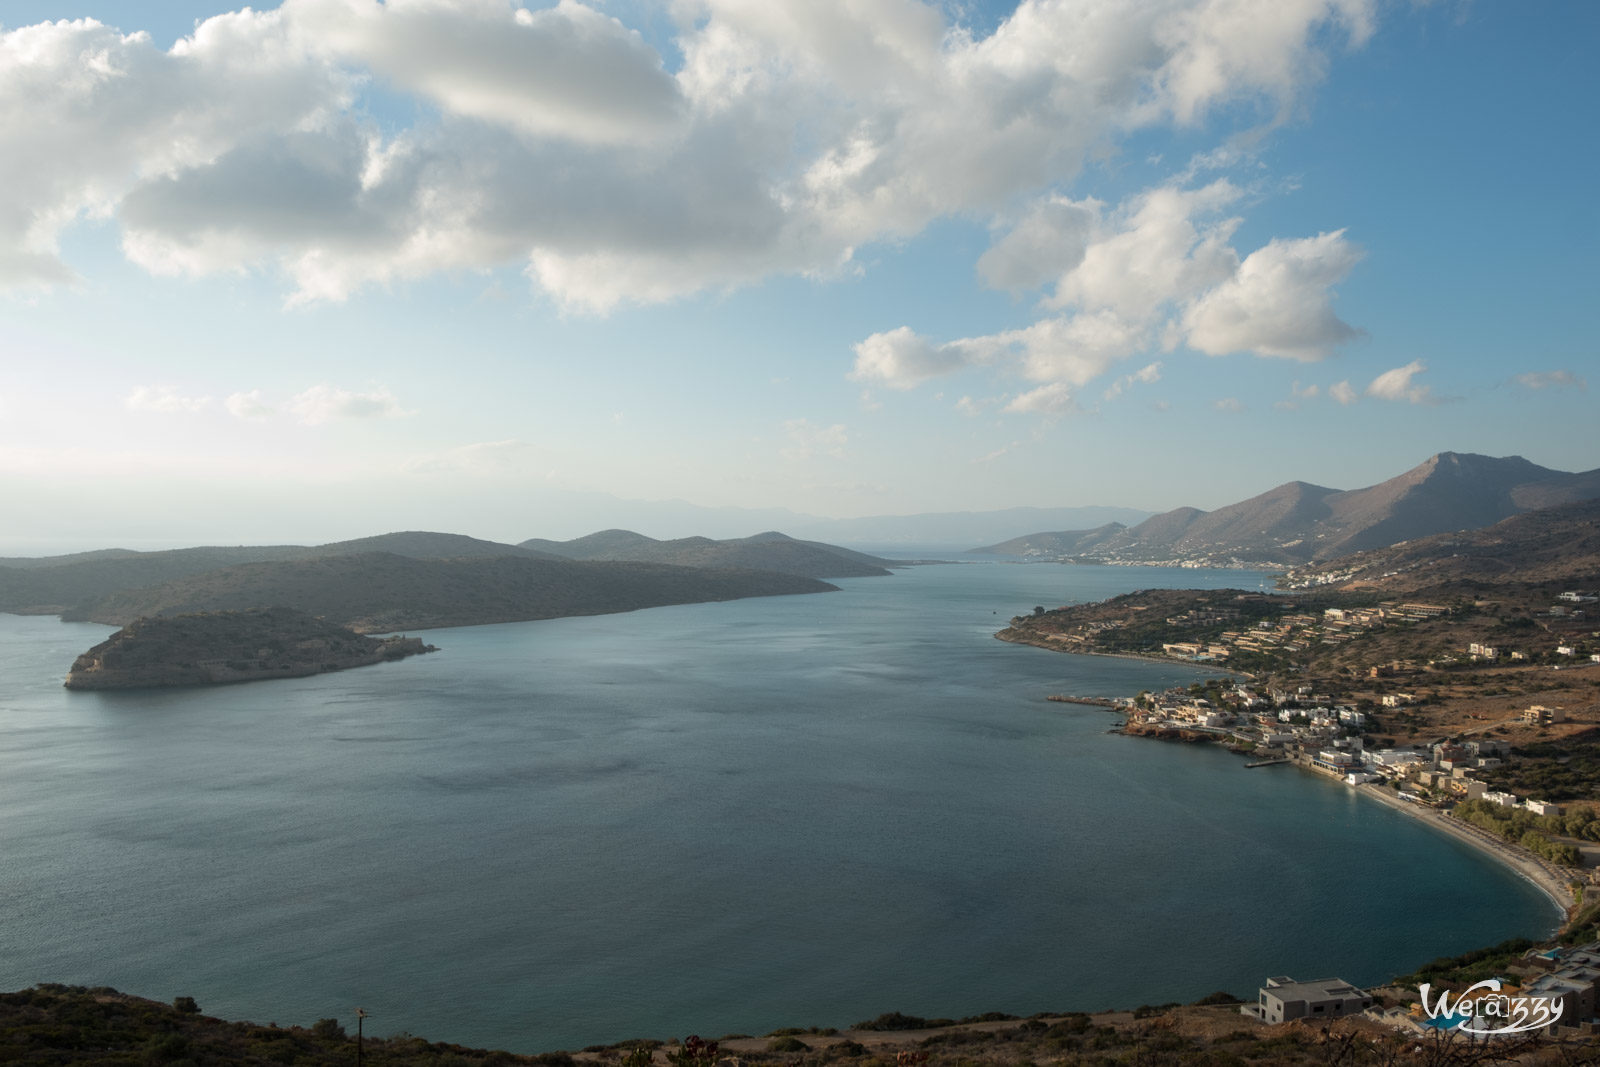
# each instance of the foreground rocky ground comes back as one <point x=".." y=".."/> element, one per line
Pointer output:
<point x="53" y="1024"/>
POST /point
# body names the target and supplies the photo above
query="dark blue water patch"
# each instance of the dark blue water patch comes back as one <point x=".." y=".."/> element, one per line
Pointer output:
<point x="796" y="810"/>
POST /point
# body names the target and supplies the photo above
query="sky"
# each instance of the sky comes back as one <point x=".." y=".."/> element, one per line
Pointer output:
<point x="334" y="267"/>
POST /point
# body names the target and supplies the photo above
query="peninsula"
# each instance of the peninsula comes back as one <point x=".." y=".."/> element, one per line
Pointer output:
<point x="218" y="648"/>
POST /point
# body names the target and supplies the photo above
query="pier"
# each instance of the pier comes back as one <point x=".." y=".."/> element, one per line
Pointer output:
<point x="1094" y="702"/>
<point x="1269" y="762"/>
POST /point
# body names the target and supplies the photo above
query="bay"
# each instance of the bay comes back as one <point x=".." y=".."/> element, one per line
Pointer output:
<point x="720" y="817"/>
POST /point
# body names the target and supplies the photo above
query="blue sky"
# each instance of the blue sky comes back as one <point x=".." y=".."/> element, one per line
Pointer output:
<point x="337" y="267"/>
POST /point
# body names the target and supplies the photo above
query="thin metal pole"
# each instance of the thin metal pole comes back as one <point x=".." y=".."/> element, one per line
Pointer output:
<point x="360" y="1018"/>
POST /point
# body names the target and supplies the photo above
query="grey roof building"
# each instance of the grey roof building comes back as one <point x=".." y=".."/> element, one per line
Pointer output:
<point x="1283" y="999"/>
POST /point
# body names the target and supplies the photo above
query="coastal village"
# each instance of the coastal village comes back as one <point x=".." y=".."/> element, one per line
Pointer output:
<point x="1474" y="710"/>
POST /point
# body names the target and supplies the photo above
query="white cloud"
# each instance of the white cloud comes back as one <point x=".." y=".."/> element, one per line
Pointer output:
<point x="1343" y="392"/>
<point x="1278" y="303"/>
<point x="806" y="440"/>
<point x="1048" y="241"/>
<point x="1229" y="404"/>
<point x="1553" y="379"/>
<point x="568" y="71"/>
<point x="793" y="134"/>
<point x="1153" y="252"/>
<point x="1053" y="399"/>
<point x="1396" y="385"/>
<point x="1156" y="272"/>
<point x="164" y="399"/>
<point x="1224" y="49"/>
<point x="324" y="403"/>
<point x="252" y="405"/>
<point x="902" y="359"/>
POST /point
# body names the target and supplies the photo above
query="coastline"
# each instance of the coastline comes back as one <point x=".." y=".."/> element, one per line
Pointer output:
<point x="1522" y="862"/>
<point x="1168" y="661"/>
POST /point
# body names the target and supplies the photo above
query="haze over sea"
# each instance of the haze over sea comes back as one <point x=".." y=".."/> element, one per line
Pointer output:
<point x="801" y="810"/>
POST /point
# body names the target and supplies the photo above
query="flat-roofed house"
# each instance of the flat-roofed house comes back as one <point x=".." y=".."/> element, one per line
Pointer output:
<point x="1283" y="999"/>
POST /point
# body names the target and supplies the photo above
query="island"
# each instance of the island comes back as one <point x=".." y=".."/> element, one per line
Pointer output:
<point x="224" y="647"/>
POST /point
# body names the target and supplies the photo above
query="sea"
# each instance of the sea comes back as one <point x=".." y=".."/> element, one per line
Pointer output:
<point x="713" y="819"/>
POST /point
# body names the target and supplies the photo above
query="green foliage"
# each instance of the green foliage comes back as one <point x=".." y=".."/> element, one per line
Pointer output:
<point x="185" y="1005"/>
<point x="1522" y="827"/>
<point x="328" y="1029"/>
<point x="894" y="1020"/>
<point x="787" y="1044"/>
<point x="1471" y="966"/>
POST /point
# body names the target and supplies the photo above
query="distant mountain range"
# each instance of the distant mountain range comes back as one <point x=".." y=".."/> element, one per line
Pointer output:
<point x="1298" y="522"/>
<point x="765" y="551"/>
<point x="418" y="579"/>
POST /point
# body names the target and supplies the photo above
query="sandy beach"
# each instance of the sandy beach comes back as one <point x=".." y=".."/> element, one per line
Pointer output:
<point x="1554" y="882"/>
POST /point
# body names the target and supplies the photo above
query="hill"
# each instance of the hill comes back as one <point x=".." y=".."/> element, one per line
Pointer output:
<point x="379" y="592"/>
<point x="1549" y="545"/>
<point x="229" y="646"/>
<point x="770" y="551"/>
<point x="1064" y="543"/>
<point x="1298" y="522"/>
<point x="51" y="584"/>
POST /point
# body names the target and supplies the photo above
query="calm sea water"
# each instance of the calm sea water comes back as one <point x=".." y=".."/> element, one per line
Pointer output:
<point x="724" y="817"/>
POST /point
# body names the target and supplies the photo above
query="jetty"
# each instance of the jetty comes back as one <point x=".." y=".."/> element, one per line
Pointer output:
<point x="1269" y="762"/>
<point x="1094" y="702"/>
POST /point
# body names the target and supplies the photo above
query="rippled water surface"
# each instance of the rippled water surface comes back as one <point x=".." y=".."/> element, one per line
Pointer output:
<point x="721" y="817"/>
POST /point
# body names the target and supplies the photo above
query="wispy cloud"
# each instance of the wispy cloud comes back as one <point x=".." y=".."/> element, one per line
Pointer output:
<point x="1551" y="379"/>
<point x="1053" y="399"/>
<point x="325" y="403"/>
<point x="165" y="400"/>
<point x="1144" y="376"/>
<point x="1397" y="385"/>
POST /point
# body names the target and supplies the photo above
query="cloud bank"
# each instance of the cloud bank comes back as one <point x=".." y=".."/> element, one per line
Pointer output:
<point x="790" y="135"/>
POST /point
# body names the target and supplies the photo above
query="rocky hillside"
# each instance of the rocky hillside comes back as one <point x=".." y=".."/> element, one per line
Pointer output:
<point x="1558" y="544"/>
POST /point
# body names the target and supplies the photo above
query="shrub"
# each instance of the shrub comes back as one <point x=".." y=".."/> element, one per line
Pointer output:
<point x="328" y="1029"/>
<point x="787" y="1043"/>
<point x="185" y="1006"/>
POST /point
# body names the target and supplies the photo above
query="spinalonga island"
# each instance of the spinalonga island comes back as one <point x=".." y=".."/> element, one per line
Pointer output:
<point x="223" y="647"/>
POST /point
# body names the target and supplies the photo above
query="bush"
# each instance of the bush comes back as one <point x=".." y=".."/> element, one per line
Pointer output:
<point x="328" y="1029"/>
<point x="894" y="1020"/>
<point x="185" y="1006"/>
<point x="788" y="1043"/>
